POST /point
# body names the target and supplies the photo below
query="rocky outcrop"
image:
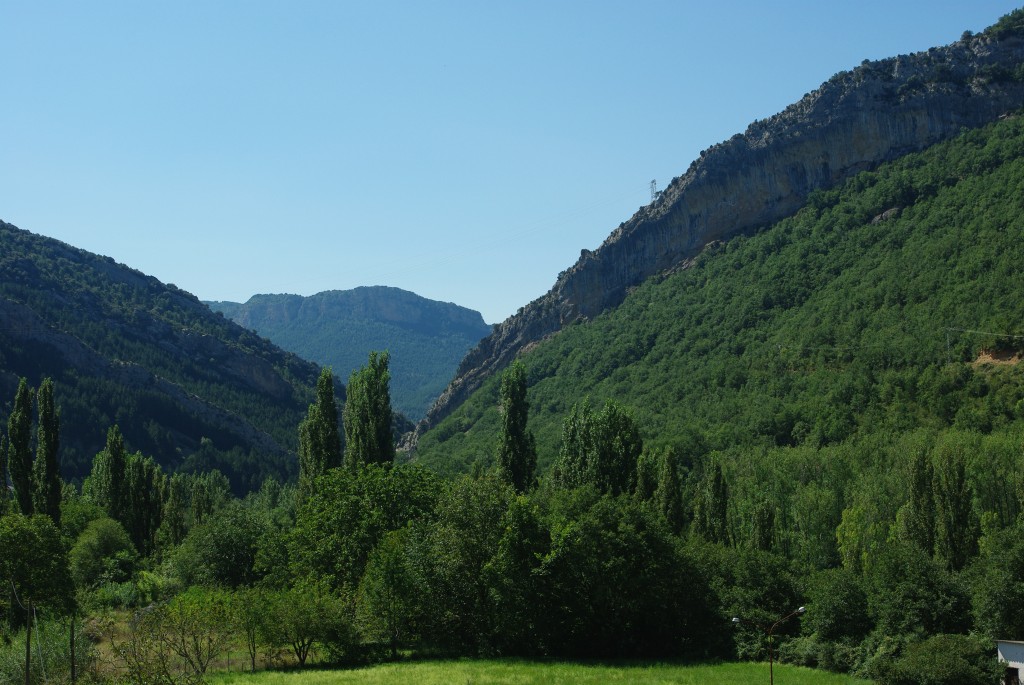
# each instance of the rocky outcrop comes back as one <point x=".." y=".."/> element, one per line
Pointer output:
<point x="853" y="122"/>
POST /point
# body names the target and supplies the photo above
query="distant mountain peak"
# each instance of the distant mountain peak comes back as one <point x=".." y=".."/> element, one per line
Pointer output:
<point x="339" y="328"/>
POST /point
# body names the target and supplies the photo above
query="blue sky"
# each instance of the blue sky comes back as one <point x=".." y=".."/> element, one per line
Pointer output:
<point x="465" y="151"/>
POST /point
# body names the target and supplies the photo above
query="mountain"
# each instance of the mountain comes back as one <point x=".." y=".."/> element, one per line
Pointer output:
<point x="855" y="121"/>
<point x="883" y="306"/>
<point x="339" y="328"/>
<point x="185" y="385"/>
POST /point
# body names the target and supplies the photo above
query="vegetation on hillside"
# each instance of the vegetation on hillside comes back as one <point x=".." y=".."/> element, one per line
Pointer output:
<point x="124" y="348"/>
<point x="862" y="315"/>
<point x="426" y="339"/>
<point x="827" y="414"/>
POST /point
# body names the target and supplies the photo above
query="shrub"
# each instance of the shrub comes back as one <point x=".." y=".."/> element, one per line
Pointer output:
<point x="941" y="660"/>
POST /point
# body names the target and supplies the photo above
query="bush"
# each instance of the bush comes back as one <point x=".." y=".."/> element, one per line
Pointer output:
<point x="102" y="554"/>
<point x="941" y="660"/>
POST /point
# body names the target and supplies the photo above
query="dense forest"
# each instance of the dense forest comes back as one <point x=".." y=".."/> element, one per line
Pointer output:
<point x="825" y="414"/>
<point x="190" y="388"/>
<point x="820" y="422"/>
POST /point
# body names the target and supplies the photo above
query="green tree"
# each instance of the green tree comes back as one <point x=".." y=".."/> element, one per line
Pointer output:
<point x="19" y="447"/>
<point x="103" y="553"/>
<point x="35" y="562"/>
<point x="46" y="470"/>
<point x="916" y="519"/>
<point x="601" y="448"/>
<point x="105" y="486"/>
<point x="319" y="439"/>
<point x="249" y="617"/>
<point x="514" y="581"/>
<point x="221" y="551"/>
<point x="144" y="483"/>
<point x="669" y="494"/>
<point x="459" y="547"/>
<point x="174" y="519"/>
<point x="367" y="414"/>
<point x="616" y="583"/>
<point x="389" y="593"/>
<point x="517" y="450"/>
<point x="350" y="513"/>
<point x="570" y="469"/>
<point x="955" y="526"/>
<point x="3" y="474"/>
<point x="208" y="493"/>
<point x="306" y="615"/>
<point x="711" y="505"/>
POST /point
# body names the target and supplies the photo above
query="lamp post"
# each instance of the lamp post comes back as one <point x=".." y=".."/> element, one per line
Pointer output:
<point x="769" y="632"/>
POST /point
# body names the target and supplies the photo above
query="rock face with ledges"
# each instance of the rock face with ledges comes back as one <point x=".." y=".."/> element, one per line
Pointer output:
<point x="853" y="122"/>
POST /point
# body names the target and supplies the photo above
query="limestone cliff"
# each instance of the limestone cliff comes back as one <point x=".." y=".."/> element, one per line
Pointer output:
<point x="853" y="122"/>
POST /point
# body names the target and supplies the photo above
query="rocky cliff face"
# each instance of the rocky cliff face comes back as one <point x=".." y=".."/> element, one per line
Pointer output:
<point x="853" y="122"/>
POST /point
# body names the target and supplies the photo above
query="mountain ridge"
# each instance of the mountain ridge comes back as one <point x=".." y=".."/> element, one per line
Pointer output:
<point x="338" y="328"/>
<point x="852" y="122"/>
<point x="186" y="386"/>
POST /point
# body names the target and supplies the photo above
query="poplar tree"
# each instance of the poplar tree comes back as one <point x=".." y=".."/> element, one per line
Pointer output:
<point x="367" y="414"/>
<point x="46" y="470"/>
<point x="19" y="452"/>
<point x="3" y="474"/>
<point x="600" y="448"/>
<point x="517" y="450"/>
<point x="669" y="494"/>
<point x="916" y="519"/>
<point x="319" y="438"/>
<point x="105" y="486"/>
<point x="955" y="534"/>
<point x="577" y="445"/>
<point x="711" y="505"/>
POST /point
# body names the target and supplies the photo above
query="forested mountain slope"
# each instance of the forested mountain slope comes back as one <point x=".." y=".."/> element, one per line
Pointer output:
<point x="888" y="304"/>
<point x="339" y="328"/>
<point x="856" y="120"/>
<point x="186" y="386"/>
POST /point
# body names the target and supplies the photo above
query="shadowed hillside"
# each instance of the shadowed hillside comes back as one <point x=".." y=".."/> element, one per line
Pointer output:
<point x="186" y="386"/>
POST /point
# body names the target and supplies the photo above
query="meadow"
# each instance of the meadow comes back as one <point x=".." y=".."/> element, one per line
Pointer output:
<point x="525" y="672"/>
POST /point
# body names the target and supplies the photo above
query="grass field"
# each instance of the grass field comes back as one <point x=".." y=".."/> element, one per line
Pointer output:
<point x="521" y="672"/>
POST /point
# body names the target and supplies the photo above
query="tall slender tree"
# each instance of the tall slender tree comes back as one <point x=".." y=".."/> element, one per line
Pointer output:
<point x="46" y="470"/>
<point x="105" y="486"/>
<point x="711" y="505"/>
<point x="570" y="468"/>
<point x="517" y="449"/>
<point x="319" y="438"/>
<point x="955" y="527"/>
<point x="19" y="447"/>
<point x="916" y="519"/>
<point x="669" y="494"/>
<point x="367" y="414"/>
<point x="3" y="474"/>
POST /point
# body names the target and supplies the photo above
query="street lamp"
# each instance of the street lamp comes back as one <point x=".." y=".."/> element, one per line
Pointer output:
<point x="769" y="631"/>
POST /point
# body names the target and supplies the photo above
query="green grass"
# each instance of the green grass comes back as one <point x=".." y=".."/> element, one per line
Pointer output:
<point x="521" y="672"/>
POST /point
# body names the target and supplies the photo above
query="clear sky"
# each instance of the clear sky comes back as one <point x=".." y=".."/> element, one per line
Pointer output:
<point x="465" y="151"/>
